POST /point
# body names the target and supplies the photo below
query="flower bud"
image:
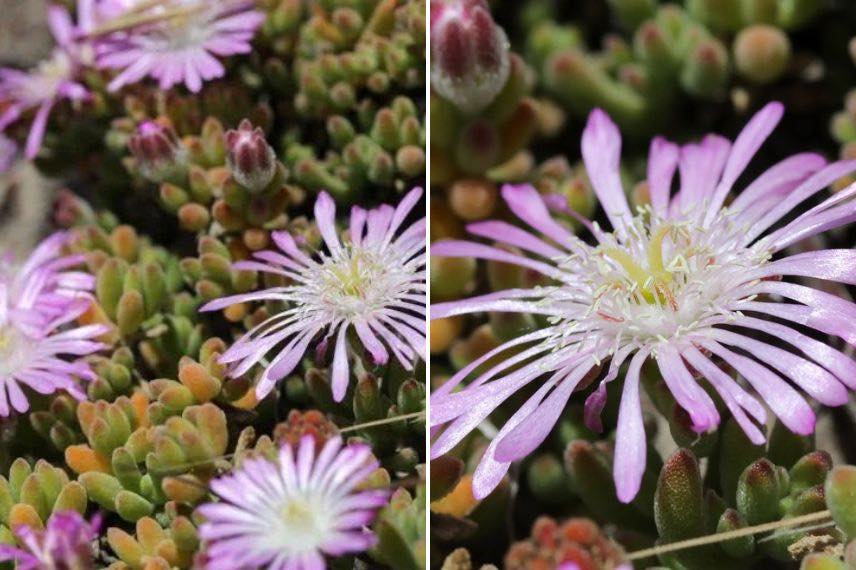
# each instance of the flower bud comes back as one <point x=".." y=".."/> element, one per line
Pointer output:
<point x="159" y="153"/>
<point x="470" y="53"/>
<point x="251" y="159"/>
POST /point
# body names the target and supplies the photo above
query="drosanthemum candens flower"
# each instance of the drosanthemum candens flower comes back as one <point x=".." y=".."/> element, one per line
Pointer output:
<point x="41" y="88"/>
<point x="290" y="512"/>
<point x="689" y="284"/>
<point x="372" y="285"/>
<point x="174" y="41"/>
<point x="39" y="346"/>
<point x="65" y="544"/>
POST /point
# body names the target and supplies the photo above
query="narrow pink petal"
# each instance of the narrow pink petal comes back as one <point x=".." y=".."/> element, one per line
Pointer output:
<point x="456" y="248"/>
<point x="511" y="235"/>
<point x="325" y="217"/>
<point x="791" y="170"/>
<point x="601" y="149"/>
<point x="340" y="366"/>
<point x="528" y="205"/>
<point x="745" y="146"/>
<point x="786" y="403"/>
<point x="532" y="432"/>
<point x="832" y="264"/>
<point x="662" y="161"/>
<point x="813" y="379"/>
<point x="630" y="444"/>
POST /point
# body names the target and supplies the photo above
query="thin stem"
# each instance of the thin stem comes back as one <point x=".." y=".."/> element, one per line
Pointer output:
<point x="384" y="421"/>
<point x="723" y="536"/>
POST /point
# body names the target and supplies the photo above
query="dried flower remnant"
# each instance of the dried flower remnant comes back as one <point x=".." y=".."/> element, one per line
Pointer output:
<point x="680" y="284"/>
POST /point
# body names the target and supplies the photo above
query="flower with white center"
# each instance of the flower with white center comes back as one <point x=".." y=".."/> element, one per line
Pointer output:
<point x="175" y="41"/>
<point x="38" y="346"/>
<point x="689" y="283"/>
<point x="291" y="512"/>
<point x="373" y="285"/>
<point x="44" y="86"/>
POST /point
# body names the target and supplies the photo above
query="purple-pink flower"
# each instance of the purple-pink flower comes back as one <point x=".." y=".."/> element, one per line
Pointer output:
<point x="291" y="512"/>
<point x="689" y="284"/>
<point x="175" y="41"/>
<point x="372" y="285"/>
<point x="39" y="347"/>
<point x="52" y="81"/>
<point x="65" y="544"/>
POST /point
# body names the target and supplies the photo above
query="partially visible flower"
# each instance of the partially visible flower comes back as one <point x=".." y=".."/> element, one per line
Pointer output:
<point x="688" y="283"/>
<point x="374" y="284"/>
<point x="470" y="60"/>
<point x="65" y="544"/>
<point x="175" y="41"/>
<point x="158" y="151"/>
<point x="8" y="150"/>
<point x="37" y="301"/>
<point x="251" y="159"/>
<point x="43" y="87"/>
<point x="291" y="512"/>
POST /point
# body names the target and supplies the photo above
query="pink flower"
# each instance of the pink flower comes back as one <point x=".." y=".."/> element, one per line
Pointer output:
<point x="687" y="283"/>
<point x="373" y="285"/>
<point x="43" y="87"/>
<point x="291" y="512"/>
<point x="38" y="302"/>
<point x="66" y="544"/>
<point x="177" y="41"/>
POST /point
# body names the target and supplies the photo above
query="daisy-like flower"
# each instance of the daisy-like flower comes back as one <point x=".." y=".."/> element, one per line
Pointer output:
<point x="41" y="88"/>
<point x="37" y="349"/>
<point x="688" y="284"/>
<point x="373" y="285"/>
<point x="174" y="41"/>
<point x="291" y="512"/>
<point x="65" y="544"/>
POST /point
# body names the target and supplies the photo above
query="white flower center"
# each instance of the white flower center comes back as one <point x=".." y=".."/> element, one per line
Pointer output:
<point x="14" y="350"/>
<point x="667" y="278"/>
<point x="305" y="521"/>
<point x="358" y="281"/>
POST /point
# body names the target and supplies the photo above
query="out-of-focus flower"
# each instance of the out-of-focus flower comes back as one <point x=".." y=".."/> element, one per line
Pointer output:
<point x="37" y="301"/>
<point x="373" y="284"/>
<point x="251" y="159"/>
<point x="48" y="83"/>
<point x="291" y="512"/>
<point x="65" y="544"/>
<point x="686" y="283"/>
<point x="158" y="151"/>
<point x="8" y="150"/>
<point x="175" y="41"/>
<point x="469" y="53"/>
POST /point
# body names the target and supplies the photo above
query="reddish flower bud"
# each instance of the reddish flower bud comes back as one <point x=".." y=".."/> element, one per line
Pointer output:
<point x="251" y="159"/>
<point x="470" y="57"/>
<point x="160" y="155"/>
